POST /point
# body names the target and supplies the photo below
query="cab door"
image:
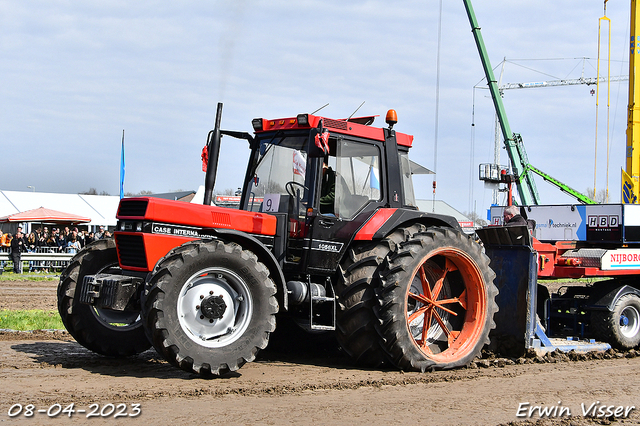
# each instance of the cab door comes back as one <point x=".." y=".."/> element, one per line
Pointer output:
<point x="356" y="196"/>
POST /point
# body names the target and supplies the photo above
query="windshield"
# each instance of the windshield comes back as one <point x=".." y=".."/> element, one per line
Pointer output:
<point x="282" y="182"/>
<point x="280" y="173"/>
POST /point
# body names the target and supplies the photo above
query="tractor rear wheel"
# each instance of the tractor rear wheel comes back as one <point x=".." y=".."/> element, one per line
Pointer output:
<point x="209" y="307"/>
<point x="104" y="331"/>
<point x="620" y="327"/>
<point x="437" y="300"/>
<point x="356" y="321"/>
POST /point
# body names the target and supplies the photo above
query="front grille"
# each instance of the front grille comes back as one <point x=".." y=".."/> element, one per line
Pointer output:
<point x="133" y="208"/>
<point x="131" y="250"/>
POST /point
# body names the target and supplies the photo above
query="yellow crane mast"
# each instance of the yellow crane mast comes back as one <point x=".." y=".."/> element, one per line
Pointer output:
<point x="631" y="177"/>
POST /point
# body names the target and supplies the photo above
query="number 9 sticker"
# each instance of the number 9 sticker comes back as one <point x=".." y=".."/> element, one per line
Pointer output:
<point x="270" y="203"/>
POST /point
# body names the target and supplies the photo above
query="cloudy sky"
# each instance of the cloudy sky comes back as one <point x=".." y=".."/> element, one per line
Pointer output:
<point x="75" y="74"/>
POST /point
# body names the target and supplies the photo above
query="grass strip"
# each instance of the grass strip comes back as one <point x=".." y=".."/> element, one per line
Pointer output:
<point x="26" y="320"/>
<point x="29" y="276"/>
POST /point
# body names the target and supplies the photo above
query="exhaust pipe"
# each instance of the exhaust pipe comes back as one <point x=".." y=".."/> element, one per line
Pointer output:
<point x="214" y="151"/>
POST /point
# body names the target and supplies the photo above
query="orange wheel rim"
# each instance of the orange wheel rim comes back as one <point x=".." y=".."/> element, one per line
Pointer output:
<point x="446" y="305"/>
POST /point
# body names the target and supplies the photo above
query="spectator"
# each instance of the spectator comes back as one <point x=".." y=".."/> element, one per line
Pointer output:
<point x="23" y="236"/>
<point x="90" y="238"/>
<point x="100" y="234"/>
<point x="61" y="241"/>
<point x="73" y="234"/>
<point x="82" y="238"/>
<point x="73" y="245"/>
<point x="107" y="234"/>
<point x="17" y="247"/>
<point x="51" y="240"/>
<point x="3" y="247"/>
<point x="42" y="239"/>
<point x="32" y="242"/>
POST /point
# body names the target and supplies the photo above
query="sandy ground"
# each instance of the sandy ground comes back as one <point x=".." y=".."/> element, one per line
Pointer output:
<point x="295" y="384"/>
<point x="28" y="294"/>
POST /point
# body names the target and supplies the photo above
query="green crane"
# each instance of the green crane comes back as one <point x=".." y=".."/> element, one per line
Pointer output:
<point x="523" y="171"/>
<point x="565" y="188"/>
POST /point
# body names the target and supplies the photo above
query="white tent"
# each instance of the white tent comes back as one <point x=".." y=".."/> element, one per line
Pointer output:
<point x="100" y="208"/>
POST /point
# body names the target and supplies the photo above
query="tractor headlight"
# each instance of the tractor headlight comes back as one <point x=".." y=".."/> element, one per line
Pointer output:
<point x="303" y="120"/>
<point x="257" y="124"/>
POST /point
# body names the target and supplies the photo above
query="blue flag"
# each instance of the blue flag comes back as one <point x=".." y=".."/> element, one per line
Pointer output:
<point x="122" y="168"/>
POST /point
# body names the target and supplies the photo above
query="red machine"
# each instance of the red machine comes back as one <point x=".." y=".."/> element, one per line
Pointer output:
<point x="327" y="235"/>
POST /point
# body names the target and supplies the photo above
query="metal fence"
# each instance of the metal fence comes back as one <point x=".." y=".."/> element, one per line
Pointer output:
<point x="41" y="259"/>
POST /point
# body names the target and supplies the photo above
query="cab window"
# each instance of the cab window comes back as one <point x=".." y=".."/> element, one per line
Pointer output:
<point x="357" y="177"/>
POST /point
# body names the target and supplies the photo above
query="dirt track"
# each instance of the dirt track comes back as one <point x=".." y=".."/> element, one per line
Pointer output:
<point x="294" y="386"/>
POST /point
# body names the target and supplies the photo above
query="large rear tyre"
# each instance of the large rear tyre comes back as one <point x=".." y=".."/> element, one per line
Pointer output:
<point x="104" y="331"/>
<point x="621" y="327"/>
<point x="437" y="301"/>
<point x="356" y="323"/>
<point x="209" y="307"/>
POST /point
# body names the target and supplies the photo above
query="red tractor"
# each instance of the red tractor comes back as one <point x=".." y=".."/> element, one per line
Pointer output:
<point x="327" y="233"/>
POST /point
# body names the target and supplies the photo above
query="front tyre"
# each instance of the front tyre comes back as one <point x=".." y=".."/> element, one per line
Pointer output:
<point x="209" y="307"/>
<point x="104" y="331"/>
<point x="437" y="301"/>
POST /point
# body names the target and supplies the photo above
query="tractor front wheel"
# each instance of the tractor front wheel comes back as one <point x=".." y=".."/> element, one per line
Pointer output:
<point x="209" y="307"/>
<point x="437" y="300"/>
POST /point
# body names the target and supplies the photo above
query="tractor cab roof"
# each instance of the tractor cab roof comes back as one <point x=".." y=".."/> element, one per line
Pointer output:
<point x="359" y="127"/>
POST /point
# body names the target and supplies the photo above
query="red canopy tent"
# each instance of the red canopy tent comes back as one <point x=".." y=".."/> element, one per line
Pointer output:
<point x="43" y="215"/>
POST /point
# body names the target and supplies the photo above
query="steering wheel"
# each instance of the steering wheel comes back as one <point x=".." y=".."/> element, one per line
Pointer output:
<point x="290" y="188"/>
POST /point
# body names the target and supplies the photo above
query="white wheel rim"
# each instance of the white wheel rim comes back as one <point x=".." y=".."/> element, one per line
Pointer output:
<point x="215" y="332"/>
<point x="630" y="330"/>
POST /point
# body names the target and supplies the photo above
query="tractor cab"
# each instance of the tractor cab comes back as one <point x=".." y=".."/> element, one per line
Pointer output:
<point x="336" y="183"/>
<point x="324" y="179"/>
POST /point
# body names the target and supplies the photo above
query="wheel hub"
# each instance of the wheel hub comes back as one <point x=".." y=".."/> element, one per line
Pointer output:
<point x="213" y="307"/>
<point x="624" y="321"/>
